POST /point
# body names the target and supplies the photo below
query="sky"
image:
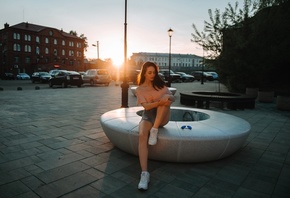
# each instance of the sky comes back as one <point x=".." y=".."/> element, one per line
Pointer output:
<point x="103" y="20"/>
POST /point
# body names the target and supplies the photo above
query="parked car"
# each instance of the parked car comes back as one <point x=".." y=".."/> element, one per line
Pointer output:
<point x="174" y="77"/>
<point x="161" y="76"/>
<point x="23" y="76"/>
<point x="97" y="76"/>
<point x="138" y="71"/>
<point x="54" y="71"/>
<point x="42" y="77"/>
<point x="214" y="75"/>
<point x="65" y="78"/>
<point x="185" y="77"/>
<point x="82" y="73"/>
<point x="198" y="75"/>
<point x="8" y="76"/>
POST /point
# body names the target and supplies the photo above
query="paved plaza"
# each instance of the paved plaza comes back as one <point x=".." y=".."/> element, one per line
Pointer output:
<point x="52" y="145"/>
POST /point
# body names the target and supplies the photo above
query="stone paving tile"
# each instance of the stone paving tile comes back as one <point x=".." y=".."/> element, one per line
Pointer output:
<point x="55" y="174"/>
<point x="65" y="185"/>
<point x="172" y="191"/>
<point x="108" y="184"/>
<point x="217" y="188"/>
<point x="248" y="193"/>
<point x="59" y="161"/>
<point x="32" y="182"/>
<point x="58" y="149"/>
<point x="85" y="192"/>
<point x="13" y="189"/>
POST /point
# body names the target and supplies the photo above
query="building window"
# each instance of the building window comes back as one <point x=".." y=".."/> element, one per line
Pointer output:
<point x="71" y="53"/>
<point x="37" y="50"/>
<point x="55" y="52"/>
<point x="27" y="60"/>
<point x="16" y="59"/>
<point x="79" y="54"/>
<point x="27" y="48"/>
<point x="55" y="41"/>
<point x="27" y="37"/>
<point x="79" y="45"/>
<point x="63" y="42"/>
<point x="46" y="40"/>
<point x="71" y="44"/>
<point x="16" y="47"/>
<point x="46" y="50"/>
<point x="16" y="36"/>
<point x="37" y="39"/>
<point x="63" y="52"/>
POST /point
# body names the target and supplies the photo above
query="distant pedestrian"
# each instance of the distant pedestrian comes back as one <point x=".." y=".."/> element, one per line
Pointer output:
<point x="156" y="99"/>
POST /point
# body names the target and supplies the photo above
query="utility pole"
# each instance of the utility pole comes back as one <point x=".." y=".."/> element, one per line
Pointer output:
<point x="97" y="49"/>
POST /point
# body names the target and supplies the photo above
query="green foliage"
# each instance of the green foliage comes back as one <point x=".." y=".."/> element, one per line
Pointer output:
<point x="255" y="55"/>
<point x="82" y="36"/>
<point x="243" y="46"/>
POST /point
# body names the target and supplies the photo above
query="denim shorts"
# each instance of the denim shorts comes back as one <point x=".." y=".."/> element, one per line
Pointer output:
<point x="149" y="115"/>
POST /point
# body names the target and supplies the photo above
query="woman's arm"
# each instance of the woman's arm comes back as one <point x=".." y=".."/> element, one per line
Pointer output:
<point x="150" y="105"/>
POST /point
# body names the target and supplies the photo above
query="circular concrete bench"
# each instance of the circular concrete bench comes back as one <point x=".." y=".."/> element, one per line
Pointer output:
<point x="171" y="89"/>
<point x="213" y="135"/>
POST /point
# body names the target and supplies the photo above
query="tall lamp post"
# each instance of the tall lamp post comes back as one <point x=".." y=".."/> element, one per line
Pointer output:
<point x="170" y="32"/>
<point x="202" y="71"/>
<point x="125" y="85"/>
<point x="97" y="48"/>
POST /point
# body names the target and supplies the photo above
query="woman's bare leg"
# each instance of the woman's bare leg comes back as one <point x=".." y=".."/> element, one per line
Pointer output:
<point x="144" y="129"/>
<point x="162" y="116"/>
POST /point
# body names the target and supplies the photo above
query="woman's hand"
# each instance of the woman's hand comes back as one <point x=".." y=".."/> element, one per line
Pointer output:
<point x="165" y="100"/>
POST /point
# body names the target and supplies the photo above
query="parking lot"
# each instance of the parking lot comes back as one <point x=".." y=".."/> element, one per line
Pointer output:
<point x="52" y="145"/>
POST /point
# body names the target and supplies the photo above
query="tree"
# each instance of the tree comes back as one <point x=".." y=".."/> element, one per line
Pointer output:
<point x="232" y="33"/>
<point x="82" y="36"/>
<point x="210" y="39"/>
<point x="253" y="54"/>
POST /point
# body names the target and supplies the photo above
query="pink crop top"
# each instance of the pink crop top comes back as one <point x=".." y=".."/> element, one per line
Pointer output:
<point x="151" y="95"/>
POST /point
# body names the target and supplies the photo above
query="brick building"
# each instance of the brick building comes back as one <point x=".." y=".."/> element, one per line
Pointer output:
<point x="27" y="47"/>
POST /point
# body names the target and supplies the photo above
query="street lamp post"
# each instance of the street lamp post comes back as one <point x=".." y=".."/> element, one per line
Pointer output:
<point x="97" y="48"/>
<point x="202" y="71"/>
<point x="125" y="85"/>
<point x="170" y="32"/>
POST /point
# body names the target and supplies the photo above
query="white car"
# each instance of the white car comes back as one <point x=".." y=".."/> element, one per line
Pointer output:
<point x="214" y="75"/>
<point x="23" y="76"/>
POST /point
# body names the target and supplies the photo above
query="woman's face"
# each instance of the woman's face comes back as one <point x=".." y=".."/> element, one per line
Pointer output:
<point x="150" y="73"/>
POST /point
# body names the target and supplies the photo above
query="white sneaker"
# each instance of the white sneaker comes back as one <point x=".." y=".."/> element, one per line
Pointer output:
<point x="144" y="180"/>
<point x="153" y="136"/>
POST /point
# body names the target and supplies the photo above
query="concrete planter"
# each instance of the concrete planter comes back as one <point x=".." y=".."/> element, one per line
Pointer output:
<point x="283" y="103"/>
<point x="252" y="92"/>
<point x="266" y="96"/>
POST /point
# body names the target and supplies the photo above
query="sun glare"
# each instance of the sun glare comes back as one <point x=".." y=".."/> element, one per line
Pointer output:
<point x="118" y="60"/>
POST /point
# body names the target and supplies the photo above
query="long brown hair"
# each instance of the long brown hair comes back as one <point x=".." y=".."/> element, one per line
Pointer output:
<point x="158" y="83"/>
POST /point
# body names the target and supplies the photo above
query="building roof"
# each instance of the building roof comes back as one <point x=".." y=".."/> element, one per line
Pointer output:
<point x="165" y="54"/>
<point x="38" y="28"/>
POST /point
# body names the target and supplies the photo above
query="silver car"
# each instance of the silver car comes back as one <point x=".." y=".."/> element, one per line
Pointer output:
<point x="97" y="76"/>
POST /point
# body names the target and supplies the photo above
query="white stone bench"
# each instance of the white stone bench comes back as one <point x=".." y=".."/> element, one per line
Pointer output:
<point x="213" y="136"/>
<point x="171" y="89"/>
